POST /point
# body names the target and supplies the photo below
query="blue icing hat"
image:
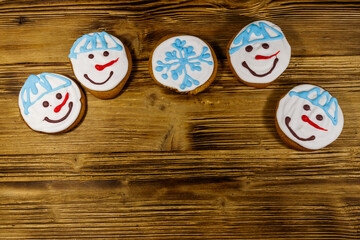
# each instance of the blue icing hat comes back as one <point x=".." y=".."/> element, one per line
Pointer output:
<point x="32" y="85"/>
<point x="259" y="29"/>
<point x="90" y="42"/>
<point x="316" y="101"/>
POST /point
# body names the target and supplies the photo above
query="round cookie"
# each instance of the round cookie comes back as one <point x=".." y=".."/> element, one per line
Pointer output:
<point x="51" y="103"/>
<point x="309" y="118"/>
<point x="259" y="54"/>
<point x="101" y="63"/>
<point x="183" y="63"/>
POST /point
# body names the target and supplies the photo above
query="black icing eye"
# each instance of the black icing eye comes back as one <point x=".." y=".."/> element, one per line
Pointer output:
<point x="91" y="56"/>
<point x="306" y="107"/>
<point x="45" y="104"/>
<point x="106" y="53"/>
<point x="319" y="117"/>
<point x="249" y="48"/>
<point x="265" y="45"/>
<point x="58" y="96"/>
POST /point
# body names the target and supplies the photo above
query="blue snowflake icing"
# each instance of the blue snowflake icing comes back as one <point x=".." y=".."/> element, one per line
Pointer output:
<point x="181" y="57"/>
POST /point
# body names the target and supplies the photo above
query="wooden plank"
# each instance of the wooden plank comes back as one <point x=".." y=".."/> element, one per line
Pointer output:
<point x="195" y="195"/>
<point x="146" y="117"/>
<point x="151" y="164"/>
<point x="239" y="164"/>
<point x="30" y="34"/>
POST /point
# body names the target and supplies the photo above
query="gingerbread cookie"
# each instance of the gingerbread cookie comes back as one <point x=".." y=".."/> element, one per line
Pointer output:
<point x="101" y="63"/>
<point x="309" y="118"/>
<point x="51" y="103"/>
<point x="259" y="54"/>
<point x="183" y="63"/>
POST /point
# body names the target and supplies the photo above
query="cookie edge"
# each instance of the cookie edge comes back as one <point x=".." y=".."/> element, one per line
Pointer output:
<point x="196" y="90"/>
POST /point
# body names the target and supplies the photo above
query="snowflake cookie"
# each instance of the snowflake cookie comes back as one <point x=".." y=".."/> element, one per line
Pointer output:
<point x="183" y="63"/>
<point x="259" y="54"/>
<point x="309" y="118"/>
<point x="51" y="103"/>
<point x="101" y="63"/>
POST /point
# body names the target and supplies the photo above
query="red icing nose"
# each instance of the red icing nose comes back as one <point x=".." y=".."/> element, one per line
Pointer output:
<point x="58" y="108"/>
<point x="102" y="67"/>
<point x="259" y="57"/>
<point x="307" y="120"/>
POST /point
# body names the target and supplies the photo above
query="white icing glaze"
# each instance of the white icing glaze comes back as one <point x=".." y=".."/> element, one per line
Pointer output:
<point x="201" y="76"/>
<point x="82" y="64"/>
<point x="293" y="107"/>
<point x="35" y="118"/>
<point x="261" y="66"/>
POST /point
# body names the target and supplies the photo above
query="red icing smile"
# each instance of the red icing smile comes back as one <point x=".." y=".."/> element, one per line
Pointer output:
<point x="261" y="57"/>
<point x="102" y="67"/>
<point x="58" y="108"/>
<point x="307" y="120"/>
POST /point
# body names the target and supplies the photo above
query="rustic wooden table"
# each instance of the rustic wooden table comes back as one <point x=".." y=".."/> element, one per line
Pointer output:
<point x="151" y="164"/>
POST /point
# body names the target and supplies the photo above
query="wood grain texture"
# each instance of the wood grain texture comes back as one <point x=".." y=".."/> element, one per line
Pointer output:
<point x="194" y="195"/>
<point x="312" y="28"/>
<point x="151" y="164"/>
<point x="146" y="117"/>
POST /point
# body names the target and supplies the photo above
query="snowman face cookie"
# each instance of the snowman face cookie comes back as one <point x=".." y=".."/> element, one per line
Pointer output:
<point x="309" y="116"/>
<point x="259" y="53"/>
<point x="50" y="102"/>
<point x="99" y="61"/>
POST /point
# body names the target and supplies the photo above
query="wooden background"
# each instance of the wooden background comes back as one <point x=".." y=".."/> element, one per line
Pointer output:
<point x="151" y="164"/>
